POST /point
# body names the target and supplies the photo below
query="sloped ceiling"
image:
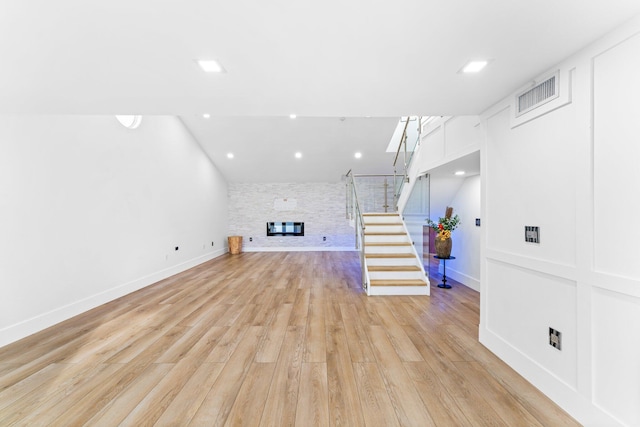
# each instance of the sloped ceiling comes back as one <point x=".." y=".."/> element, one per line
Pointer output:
<point x="444" y="185"/>
<point x="264" y="147"/>
<point x="328" y="59"/>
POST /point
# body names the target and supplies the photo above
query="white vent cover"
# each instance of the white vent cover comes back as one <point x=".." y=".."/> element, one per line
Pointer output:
<point x="538" y="95"/>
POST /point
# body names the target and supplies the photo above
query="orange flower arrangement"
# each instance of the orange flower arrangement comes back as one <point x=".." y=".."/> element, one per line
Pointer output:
<point x="444" y="226"/>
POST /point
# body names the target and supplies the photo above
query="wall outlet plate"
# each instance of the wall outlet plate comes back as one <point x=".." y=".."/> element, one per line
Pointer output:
<point x="555" y="338"/>
<point x="531" y="234"/>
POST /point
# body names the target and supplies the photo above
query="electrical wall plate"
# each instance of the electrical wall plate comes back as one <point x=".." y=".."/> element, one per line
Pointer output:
<point x="477" y="222"/>
<point x="531" y="234"/>
<point x="555" y="338"/>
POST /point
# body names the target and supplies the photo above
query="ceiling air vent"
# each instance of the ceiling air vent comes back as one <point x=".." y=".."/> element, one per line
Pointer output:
<point x="538" y="95"/>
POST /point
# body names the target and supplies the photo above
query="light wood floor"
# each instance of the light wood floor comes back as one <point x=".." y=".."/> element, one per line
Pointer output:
<point x="269" y="339"/>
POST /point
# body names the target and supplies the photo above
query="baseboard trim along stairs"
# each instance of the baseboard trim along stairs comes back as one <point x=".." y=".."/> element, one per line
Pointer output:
<point x="392" y="265"/>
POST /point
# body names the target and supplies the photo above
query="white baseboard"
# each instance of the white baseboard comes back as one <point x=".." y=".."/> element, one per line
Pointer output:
<point x="576" y="405"/>
<point x="35" y="324"/>
<point x="468" y="281"/>
<point x="300" y="249"/>
<point x="399" y="290"/>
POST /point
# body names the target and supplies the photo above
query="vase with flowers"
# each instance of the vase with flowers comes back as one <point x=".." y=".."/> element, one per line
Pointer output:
<point x="443" y="228"/>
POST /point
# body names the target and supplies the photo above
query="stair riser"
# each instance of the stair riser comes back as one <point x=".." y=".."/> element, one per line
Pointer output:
<point x="387" y="250"/>
<point x="398" y="290"/>
<point x="386" y="239"/>
<point x="385" y="228"/>
<point x="382" y="218"/>
<point x="395" y="275"/>
<point x="371" y="225"/>
<point x="392" y="261"/>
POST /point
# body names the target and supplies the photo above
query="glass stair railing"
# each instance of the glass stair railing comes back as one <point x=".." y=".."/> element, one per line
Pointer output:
<point x="355" y="217"/>
<point x="404" y="155"/>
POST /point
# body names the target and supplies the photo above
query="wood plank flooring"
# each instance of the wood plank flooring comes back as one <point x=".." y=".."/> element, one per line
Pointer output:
<point x="269" y="339"/>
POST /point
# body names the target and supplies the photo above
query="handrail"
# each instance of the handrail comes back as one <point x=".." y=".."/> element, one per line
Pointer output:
<point x="403" y="139"/>
<point x="361" y="228"/>
<point x="371" y="175"/>
<point x="381" y="175"/>
<point x="405" y="172"/>
<point x="355" y="197"/>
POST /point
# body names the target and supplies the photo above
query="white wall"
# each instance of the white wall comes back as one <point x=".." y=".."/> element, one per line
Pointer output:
<point x="443" y="189"/>
<point x="91" y="211"/>
<point x="446" y="140"/>
<point x="573" y="172"/>
<point x="466" y="238"/>
<point x="321" y="206"/>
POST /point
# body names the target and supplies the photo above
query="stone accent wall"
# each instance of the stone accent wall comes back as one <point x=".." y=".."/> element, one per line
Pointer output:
<point x="321" y="206"/>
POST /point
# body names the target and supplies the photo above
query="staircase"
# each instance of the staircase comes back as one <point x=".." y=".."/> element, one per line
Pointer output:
<point x="391" y="262"/>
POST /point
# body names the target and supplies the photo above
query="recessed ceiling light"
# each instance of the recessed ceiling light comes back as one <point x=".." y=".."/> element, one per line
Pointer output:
<point x="210" y="66"/>
<point x="206" y="115"/>
<point x="358" y="155"/>
<point x="229" y="155"/>
<point x="129" y="121"/>
<point x="298" y="155"/>
<point x="292" y="116"/>
<point x="474" y="66"/>
<point x="459" y="173"/>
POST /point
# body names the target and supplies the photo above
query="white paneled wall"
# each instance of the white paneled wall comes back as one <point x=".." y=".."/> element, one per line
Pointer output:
<point x="616" y="153"/>
<point x="616" y="354"/>
<point x="530" y="301"/>
<point x="321" y="206"/>
<point x="531" y="180"/>
<point x="615" y="275"/>
<point x="573" y="172"/>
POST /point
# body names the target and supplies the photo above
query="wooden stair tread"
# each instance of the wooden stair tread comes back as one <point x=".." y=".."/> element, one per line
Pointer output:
<point x="390" y="255"/>
<point x="387" y="244"/>
<point x="393" y="268"/>
<point x="373" y="224"/>
<point x="381" y="214"/>
<point x="398" y="282"/>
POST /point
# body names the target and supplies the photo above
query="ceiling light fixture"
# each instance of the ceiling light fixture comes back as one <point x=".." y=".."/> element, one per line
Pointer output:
<point x="210" y="66"/>
<point x="474" y="66"/>
<point x="229" y="155"/>
<point x="459" y="173"/>
<point x="292" y="116"/>
<point x="358" y="155"/>
<point x="298" y="155"/>
<point x="206" y="115"/>
<point x="129" y="121"/>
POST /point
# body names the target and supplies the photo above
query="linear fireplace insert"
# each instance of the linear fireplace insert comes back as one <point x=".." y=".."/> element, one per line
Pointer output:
<point x="285" y="228"/>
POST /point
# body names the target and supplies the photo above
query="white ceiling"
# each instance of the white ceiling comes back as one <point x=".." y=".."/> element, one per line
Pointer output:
<point x="264" y="147"/>
<point x="444" y="184"/>
<point x="470" y="164"/>
<point x="321" y="60"/>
